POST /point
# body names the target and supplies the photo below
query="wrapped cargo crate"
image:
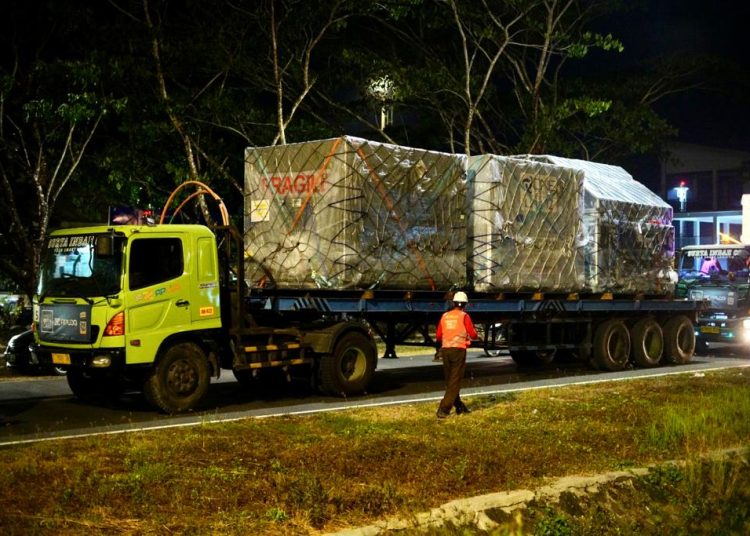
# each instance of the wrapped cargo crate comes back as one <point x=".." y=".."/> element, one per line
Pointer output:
<point x="524" y="227"/>
<point x="547" y="223"/>
<point x="347" y="213"/>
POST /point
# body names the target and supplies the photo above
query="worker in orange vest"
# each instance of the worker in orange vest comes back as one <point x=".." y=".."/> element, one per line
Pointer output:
<point x="454" y="334"/>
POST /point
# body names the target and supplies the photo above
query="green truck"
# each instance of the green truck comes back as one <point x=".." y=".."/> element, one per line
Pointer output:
<point x="346" y="241"/>
<point x="718" y="275"/>
<point x="160" y="309"/>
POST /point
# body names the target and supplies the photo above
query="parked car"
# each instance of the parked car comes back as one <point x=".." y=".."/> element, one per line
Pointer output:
<point x="19" y="358"/>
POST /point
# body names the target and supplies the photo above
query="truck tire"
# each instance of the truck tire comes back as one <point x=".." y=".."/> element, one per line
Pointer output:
<point x="94" y="388"/>
<point x="612" y="345"/>
<point x="679" y="340"/>
<point x="179" y="380"/>
<point x="349" y="369"/>
<point x="647" y="340"/>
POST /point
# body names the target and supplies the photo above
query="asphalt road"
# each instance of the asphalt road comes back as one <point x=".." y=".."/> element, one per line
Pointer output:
<point x="33" y="409"/>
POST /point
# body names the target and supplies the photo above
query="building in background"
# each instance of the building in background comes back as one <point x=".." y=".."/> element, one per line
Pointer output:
<point x="705" y="186"/>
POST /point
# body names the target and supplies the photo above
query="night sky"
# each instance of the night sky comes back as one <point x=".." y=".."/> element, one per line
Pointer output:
<point x="719" y="114"/>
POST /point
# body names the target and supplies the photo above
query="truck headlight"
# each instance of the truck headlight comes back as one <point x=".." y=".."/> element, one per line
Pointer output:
<point x="101" y="361"/>
<point x="746" y="324"/>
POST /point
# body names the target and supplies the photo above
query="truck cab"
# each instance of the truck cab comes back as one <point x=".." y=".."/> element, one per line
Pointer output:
<point x="719" y="276"/>
<point x="161" y="308"/>
<point x="111" y="298"/>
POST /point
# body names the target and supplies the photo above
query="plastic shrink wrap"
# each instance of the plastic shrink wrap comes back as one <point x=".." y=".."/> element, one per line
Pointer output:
<point x="348" y="213"/>
<point x="524" y="228"/>
<point x="553" y="224"/>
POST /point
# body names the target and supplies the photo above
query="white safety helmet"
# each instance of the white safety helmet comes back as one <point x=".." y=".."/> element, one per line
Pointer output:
<point x="460" y="297"/>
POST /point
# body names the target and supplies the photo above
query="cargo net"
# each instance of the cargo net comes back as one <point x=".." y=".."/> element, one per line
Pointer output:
<point x="525" y="229"/>
<point x="628" y="237"/>
<point x="629" y="249"/>
<point x="558" y="225"/>
<point x="348" y="213"/>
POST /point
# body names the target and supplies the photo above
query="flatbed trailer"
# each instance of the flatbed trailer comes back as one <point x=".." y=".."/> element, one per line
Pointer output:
<point x="163" y="308"/>
<point x="609" y="331"/>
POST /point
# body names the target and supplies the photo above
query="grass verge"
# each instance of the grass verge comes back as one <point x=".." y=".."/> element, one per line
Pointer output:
<point x="302" y="475"/>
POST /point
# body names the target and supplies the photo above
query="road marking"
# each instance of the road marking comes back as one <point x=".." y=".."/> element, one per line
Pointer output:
<point x="467" y="392"/>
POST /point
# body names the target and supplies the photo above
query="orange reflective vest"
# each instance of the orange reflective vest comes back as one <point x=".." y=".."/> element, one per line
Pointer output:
<point x="453" y="330"/>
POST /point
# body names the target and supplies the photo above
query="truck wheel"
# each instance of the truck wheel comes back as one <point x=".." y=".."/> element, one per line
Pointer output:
<point x="349" y="369"/>
<point x="648" y="342"/>
<point x="94" y="388"/>
<point x="612" y="345"/>
<point x="679" y="340"/>
<point x="179" y="380"/>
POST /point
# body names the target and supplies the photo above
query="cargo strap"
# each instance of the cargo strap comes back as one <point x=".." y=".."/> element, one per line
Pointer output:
<point x="317" y="180"/>
<point x="391" y="207"/>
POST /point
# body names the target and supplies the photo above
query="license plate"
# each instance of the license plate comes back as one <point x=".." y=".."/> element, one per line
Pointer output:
<point x="710" y="329"/>
<point x="61" y="359"/>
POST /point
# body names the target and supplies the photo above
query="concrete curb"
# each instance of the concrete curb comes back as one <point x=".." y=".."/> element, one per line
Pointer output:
<point x="473" y="510"/>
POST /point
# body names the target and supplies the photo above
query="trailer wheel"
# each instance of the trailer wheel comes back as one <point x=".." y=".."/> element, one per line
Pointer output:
<point x="349" y="369"/>
<point x="94" y="388"/>
<point x="612" y="345"/>
<point x="648" y="342"/>
<point x="179" y="380"/>
<point x="679" y="340"/>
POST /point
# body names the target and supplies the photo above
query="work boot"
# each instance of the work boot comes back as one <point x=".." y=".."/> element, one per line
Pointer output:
<point x="461" y="408"/>
<point x="441" y="413"/>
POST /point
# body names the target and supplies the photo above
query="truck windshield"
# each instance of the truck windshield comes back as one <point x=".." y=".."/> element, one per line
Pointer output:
<point x="714" y="262"/>
<point x="81" y="265"/>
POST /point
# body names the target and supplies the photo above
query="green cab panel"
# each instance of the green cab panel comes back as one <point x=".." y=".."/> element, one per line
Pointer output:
<point x="205" y="284"/>
<point x="165" y="282"/>
<point x="171" y="287"/>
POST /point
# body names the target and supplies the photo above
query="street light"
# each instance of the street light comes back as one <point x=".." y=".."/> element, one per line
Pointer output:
<point x="681" y="192"/>
<point x="383" y="90"/>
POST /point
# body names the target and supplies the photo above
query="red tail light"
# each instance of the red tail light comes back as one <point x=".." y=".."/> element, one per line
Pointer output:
<point x="116" y="326"/>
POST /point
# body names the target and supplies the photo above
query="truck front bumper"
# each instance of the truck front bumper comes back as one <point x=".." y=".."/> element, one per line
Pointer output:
<point x="99" y="358"/>
<point x="734" y="330"/>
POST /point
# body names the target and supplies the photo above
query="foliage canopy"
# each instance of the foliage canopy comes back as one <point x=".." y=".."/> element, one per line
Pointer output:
<point x="88" y="120"/>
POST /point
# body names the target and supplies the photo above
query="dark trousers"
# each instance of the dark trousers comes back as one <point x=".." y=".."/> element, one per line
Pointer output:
<point x="454" y="364"/>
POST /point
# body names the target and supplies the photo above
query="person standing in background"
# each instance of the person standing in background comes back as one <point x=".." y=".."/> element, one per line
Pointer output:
<point x="454" y="334"/>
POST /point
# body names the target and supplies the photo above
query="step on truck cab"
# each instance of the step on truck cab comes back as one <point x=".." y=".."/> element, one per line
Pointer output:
<point x="718" y="275"/>
<point x="159" y="308"/>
